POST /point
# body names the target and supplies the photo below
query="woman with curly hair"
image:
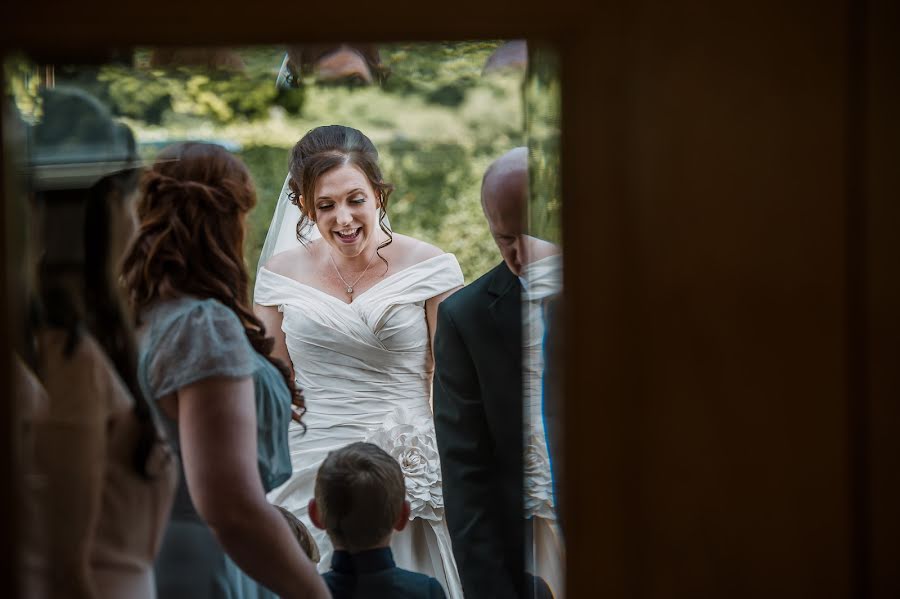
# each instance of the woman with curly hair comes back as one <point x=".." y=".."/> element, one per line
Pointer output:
<point x="204" y="360"/>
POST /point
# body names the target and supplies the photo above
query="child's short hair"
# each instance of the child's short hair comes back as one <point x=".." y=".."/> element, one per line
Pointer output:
<point x="301" y="533"/>
<point x="359" y="494"/>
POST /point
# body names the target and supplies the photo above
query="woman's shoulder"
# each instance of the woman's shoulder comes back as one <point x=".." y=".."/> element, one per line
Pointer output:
<point x="189" y="322"/>
<point x="283" y="262"/>
<point x="189" y="339"/>
<point x="411" y="251"/>
<point x="164" y="312"/>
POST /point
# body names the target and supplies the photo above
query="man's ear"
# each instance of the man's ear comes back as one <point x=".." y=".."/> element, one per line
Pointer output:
<point x="403" y="518"/>
<point x="314" y="514"/>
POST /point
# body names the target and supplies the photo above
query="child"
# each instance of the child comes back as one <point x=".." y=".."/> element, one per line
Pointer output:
<point x="360" y="499"/>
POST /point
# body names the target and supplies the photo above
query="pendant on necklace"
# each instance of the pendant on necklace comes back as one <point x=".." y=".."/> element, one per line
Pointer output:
<point x="350" y="290"/>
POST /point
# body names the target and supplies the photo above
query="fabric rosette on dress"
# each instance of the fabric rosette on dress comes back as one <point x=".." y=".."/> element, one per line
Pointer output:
<point x="410" y="440"/>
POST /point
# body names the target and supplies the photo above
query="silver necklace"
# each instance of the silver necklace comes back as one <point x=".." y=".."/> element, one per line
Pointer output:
<point x="344" y="281"/>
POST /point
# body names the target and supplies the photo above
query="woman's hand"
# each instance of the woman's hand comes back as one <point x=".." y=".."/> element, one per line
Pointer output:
<point x="298" y="408"/>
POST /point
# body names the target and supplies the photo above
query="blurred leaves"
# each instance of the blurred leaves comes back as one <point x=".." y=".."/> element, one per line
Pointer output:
<point x="158" y="97"/>
<point x="543" y="115"/>
<point x="437" y="122"/>
<point x="23" y="82"/>
<point x="441" y="73"/>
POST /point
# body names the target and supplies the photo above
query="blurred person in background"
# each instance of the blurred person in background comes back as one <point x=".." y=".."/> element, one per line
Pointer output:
<point x="102" y="478"/>
<point x="204" y="360"/>
<point x="358" y="63"/>
<point x="487" y="392"/>
<point x="29" y="396"/>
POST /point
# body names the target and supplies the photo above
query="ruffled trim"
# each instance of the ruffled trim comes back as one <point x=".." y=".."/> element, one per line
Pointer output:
<point x="538" y="482"/>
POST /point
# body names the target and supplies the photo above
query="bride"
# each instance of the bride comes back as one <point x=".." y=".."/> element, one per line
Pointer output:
<point x="353" y="306"/>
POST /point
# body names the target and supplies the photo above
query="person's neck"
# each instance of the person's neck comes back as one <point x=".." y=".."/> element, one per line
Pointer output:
<point x="354" y="263"/>
<point x="384" y="544"/>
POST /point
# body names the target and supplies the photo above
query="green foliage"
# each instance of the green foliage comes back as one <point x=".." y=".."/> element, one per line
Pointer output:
<point x="442" y="73"/>
<point x="268" y="166"/>
<point x="434" y="154"/>
<point x="543" y="112"/>
<point x="436" y="122"/>
<point x="438" y="200"/>
<point x="161" y="96"/>
<point x="22" y="86"/>
<point x="188" y="96"/>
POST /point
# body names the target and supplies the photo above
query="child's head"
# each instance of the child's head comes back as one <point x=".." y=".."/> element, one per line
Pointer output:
<point x="360" y="497"/>
<point x="301" y="533"/>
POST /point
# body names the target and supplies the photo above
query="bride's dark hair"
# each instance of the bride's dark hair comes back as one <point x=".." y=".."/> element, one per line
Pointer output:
<point x="191" y="236"/>
<point x="325" y="148"/>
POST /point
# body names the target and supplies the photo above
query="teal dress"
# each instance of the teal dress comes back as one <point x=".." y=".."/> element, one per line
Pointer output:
<point x="185" y="341"/>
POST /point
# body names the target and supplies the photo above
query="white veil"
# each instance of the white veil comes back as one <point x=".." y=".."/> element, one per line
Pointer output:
<point x="282" y="233"/>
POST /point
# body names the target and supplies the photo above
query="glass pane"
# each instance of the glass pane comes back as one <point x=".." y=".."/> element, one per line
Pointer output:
<point x="441" y="116"/>
<point x="542" y="324"/>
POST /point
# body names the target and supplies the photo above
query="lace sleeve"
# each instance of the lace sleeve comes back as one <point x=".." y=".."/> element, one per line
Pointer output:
<point x="204" y="340"/>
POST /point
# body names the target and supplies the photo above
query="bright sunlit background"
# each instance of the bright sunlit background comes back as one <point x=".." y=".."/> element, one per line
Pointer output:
<point x="436" y="118"/>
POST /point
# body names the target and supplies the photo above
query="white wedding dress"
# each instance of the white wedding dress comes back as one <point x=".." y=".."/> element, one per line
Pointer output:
<point x="366" y="372"/>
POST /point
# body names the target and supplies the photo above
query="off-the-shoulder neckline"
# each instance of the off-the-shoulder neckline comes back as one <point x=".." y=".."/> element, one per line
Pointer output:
<point x="357" y="296"/>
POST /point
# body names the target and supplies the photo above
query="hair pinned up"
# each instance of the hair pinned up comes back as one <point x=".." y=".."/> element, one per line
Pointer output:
<point x="325" y="148"/>
<point x="191" y="238"/>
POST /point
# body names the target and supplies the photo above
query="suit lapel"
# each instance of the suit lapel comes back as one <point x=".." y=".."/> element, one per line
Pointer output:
<point x="506" y="307"/>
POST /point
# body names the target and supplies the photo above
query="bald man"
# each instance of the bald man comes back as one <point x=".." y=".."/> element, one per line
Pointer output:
<point x="478" y="398"/>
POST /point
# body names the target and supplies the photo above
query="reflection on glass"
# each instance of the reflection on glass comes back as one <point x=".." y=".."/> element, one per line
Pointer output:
<point x="542" y="289"/>
<point x="439" y="115"/>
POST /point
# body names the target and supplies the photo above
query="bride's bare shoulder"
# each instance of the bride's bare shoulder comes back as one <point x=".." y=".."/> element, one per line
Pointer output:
<point x="412" y="251"/>
<point x="287" y="262"/>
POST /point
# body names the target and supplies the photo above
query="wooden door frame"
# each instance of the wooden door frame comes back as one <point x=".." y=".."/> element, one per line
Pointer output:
<point x="605" y="65"/>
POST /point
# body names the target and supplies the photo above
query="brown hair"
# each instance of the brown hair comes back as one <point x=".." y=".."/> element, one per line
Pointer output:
<point x="359" y="493"/>
<point x="325" y="148"/>
<point x="191" y="236"/>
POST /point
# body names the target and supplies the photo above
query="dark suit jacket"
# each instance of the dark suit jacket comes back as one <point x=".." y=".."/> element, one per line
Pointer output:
<point x="372" y="574"/>
<point x="478" y="420"/>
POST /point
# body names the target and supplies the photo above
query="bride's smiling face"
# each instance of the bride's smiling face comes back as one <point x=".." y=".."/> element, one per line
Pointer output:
<point x="345" y="210"/>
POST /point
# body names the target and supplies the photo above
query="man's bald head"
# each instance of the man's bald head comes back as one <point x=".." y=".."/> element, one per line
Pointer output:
<point x="504" y="198"/>
<point x="506" y="179"/>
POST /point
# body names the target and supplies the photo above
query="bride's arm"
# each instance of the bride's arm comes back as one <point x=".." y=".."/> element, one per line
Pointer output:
<point x="272" y="319"/>
<point x="431" y="309"/>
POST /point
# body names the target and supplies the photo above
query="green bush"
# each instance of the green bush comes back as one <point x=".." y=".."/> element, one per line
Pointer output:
<point x="268" y="166"/>
<point x="436" y="121"/>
